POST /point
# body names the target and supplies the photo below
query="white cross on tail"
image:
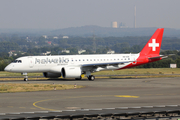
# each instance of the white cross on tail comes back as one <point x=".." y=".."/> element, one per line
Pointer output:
<point x="153" y="44"/>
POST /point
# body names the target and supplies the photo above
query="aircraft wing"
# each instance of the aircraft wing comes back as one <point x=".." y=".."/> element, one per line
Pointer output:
<point x="104" y="64"/>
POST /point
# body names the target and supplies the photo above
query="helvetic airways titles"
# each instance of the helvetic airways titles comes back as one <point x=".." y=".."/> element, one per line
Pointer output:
<point x="49" y="61"/>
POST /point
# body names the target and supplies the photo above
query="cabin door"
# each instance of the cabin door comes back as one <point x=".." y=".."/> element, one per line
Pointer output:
<point x="31" y="62"/>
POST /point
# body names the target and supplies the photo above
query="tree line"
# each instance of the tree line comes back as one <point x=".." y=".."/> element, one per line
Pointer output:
<point x="119" y="44"/>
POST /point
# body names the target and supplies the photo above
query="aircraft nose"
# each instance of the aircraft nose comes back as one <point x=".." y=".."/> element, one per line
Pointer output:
<point x="8" y="68"/>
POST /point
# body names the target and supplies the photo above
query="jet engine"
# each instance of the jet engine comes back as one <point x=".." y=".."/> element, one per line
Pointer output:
<point x="51" y="75"/>
<point x="71" y="72"/>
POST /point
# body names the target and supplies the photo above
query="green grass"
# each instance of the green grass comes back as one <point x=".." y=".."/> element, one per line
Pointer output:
<point x="143" y="71"/>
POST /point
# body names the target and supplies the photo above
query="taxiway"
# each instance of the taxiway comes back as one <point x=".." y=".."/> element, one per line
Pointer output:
<point x="101" y="93"/>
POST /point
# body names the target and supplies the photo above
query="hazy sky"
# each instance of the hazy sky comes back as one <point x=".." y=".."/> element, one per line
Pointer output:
<point x="55" y="14"/>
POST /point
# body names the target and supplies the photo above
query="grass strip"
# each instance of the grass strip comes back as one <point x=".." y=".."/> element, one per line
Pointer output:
<point x="16" y="87"/>
<point x="143" y="71"/>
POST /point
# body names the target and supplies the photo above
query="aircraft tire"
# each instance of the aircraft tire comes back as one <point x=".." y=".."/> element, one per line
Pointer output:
<point x="25" y="79"/>
<point x="91" y="77"/>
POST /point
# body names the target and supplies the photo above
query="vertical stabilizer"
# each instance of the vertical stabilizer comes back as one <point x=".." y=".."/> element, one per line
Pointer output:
<point x="154" y="44"/>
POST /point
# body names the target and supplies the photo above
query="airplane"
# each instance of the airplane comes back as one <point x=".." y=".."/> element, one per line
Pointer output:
<point x="73" y="66"/>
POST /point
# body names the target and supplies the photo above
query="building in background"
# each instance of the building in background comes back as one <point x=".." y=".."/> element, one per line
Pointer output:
<point x="65" y="37"/>
<point x="81" y="51"/>
<point x="114" y="24"/>
<point x="55" y="37"/>
<point x="65" y="51"/>
<point x="45" y="36"/>
<point x="173" y="66"/>
<point x="110" y="52"/>
<point x="49" y="42"/>
<point x="46" y="53"/>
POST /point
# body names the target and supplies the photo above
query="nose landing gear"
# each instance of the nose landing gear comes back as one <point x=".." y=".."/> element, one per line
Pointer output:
<point x="25" y="76"/>
<point x="25" y="79"/>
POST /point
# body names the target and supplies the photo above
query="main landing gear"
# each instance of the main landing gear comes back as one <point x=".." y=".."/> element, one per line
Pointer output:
<point x="91" y="77"/>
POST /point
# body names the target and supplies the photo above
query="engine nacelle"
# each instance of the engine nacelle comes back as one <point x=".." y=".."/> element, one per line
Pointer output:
<point x="51" y="75"/>
<point x="71" y="72"/>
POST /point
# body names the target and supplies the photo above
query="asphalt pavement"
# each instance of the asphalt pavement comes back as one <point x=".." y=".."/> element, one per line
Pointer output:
<point x="101" y="93"/>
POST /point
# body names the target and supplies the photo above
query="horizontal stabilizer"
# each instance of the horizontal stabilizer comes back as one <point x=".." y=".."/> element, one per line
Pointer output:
<point x="157" y="57"/>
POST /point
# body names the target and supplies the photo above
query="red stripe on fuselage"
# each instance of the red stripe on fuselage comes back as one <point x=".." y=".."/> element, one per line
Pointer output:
<point x="140" y="61"/>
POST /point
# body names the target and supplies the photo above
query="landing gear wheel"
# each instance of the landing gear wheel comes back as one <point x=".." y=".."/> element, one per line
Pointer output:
<point x="91" y="77"/>
<point x="25" y="76"/>
<point x="25" y="79"/>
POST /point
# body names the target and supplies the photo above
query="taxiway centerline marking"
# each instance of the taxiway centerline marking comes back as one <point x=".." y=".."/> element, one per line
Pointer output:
<point x="127" y="96"/>
<point x="34" y="104"/>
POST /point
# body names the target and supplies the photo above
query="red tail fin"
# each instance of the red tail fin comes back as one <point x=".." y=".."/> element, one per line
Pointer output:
<point x="154" y="44"/>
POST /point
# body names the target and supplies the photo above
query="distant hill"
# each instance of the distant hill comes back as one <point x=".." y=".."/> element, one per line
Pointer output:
<point x="116" y="32"/>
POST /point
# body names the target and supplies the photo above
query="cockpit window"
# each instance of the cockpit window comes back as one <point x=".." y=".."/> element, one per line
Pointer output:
<point x="17" y="61"/>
